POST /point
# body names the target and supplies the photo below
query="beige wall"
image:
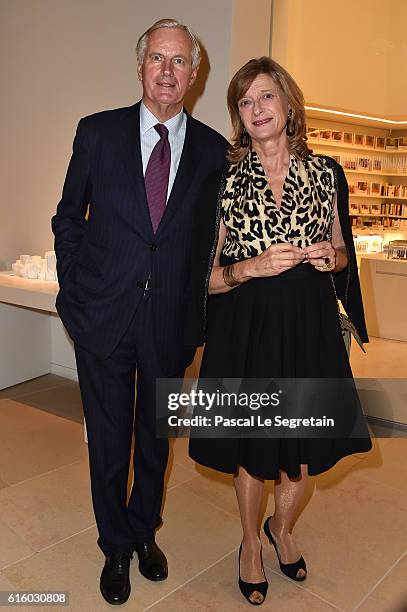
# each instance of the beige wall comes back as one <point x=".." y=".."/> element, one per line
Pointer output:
<point x="251" y="30"/>
<point x="61" y="60"/>
<point x="396" y="44"/>
<point x="350" y="54"/>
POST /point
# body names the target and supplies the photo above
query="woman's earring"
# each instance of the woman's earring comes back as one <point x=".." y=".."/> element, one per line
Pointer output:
<point x="289" y="128"/>
<point x="244" y="139"/>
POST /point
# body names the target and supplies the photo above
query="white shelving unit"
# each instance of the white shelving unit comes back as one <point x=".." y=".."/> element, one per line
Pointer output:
<point x="375" y="197"/>
<point x="352" y="147"/>
<point x="374" y="173"/>
<point x="385" y="157"/>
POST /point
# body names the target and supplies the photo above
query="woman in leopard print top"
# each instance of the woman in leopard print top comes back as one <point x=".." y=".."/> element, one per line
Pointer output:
<point x="281" y="242"/>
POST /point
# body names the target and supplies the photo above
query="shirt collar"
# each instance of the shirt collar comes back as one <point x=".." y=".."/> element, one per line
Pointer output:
<point x="148" y="121"/>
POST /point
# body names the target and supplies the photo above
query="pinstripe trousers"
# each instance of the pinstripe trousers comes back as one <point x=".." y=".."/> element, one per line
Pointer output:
<point x="111" y="413"/>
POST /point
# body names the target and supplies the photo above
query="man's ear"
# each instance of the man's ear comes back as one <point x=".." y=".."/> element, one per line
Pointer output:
<point x="139" y="72"/>
<point x="193" y="76"/>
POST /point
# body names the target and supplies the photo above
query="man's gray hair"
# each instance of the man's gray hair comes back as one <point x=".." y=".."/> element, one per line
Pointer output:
<point x="169" y="23"/>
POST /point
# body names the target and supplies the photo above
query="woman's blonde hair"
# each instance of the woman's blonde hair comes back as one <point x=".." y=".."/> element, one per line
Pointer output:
<point x="238" y="87"/>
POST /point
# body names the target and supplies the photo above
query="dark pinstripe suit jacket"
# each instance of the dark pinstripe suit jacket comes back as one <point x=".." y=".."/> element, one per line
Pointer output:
<point x="103" y="262"/>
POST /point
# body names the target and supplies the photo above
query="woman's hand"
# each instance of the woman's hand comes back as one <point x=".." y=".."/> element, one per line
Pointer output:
<point x="321" y="255"/>
<point x="276" y="259"/>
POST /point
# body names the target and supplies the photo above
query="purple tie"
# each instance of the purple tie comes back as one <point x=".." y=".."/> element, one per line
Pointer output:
<point x="156" y="176"/>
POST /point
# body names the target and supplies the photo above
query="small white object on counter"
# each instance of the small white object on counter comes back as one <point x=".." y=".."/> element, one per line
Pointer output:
<point x="32" y="270"/>
<point x="36" y="267"/>
<point x="51" y="261"/>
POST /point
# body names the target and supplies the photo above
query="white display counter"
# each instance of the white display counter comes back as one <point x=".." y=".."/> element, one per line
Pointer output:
<point x="384" y="290"/>
<point x="33" y="341"/>
<point x="25" y="292"/>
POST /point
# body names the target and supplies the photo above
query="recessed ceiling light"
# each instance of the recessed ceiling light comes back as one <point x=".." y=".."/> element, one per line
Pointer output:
<point x="344" y="114"/>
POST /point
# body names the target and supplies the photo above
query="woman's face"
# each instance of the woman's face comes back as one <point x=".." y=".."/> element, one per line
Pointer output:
<point x="264" y="109"/>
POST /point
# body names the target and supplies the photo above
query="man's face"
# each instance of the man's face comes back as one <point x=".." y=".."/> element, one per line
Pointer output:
<point x="166" y="72"/>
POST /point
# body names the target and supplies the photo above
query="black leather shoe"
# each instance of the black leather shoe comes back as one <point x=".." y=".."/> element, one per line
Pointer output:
<point x="152" y="561"/>
<point x="114" y="579"/>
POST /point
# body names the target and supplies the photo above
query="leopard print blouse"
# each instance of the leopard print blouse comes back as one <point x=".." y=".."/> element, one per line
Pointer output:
<point x="254" y="221"/>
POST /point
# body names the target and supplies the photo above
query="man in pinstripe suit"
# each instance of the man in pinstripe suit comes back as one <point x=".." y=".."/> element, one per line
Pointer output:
<point x="123" y="271"/>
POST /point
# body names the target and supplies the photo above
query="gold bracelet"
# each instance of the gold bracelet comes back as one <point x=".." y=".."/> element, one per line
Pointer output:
<point x="228" y="277"/>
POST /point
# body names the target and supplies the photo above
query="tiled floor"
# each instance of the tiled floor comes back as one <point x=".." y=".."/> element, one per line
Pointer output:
<point x="352" y="531"/>
<point x="383" y="359"/>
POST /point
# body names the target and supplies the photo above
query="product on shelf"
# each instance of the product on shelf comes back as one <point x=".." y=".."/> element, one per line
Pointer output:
<point x="368" y="244"/>
<point x="364" y="163"/>
<point x="363" y="187"/>
<point x="337" y="136"/>
<point x="325" y="134"/>
<point x="357" y="139"/>
<point x="376" y="164"/>
<point x="369" y="216"/>
<point x="394" y="209"/>
<point x="349" y="162"/>
<point x="394" y="191"/>
<point x="391" y="143"/>
<point x="348" y="138"/>
<point x="397" y="249"/>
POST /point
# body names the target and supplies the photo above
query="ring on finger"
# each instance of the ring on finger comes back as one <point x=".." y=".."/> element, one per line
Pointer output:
<point x="328" y="264"/>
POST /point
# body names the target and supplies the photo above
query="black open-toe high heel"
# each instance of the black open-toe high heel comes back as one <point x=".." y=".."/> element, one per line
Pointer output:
<point x="248" y="588"/>
<point x="289" y="569"/>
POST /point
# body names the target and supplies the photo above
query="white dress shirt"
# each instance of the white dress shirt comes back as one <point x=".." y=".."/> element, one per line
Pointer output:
<point x="149" y="137"/>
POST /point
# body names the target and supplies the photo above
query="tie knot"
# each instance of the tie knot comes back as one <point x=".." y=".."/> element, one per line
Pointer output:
<point x="162" y="130"/>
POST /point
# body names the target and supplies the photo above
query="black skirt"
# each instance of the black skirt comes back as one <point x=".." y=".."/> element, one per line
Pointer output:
<point x="285" y="326"/>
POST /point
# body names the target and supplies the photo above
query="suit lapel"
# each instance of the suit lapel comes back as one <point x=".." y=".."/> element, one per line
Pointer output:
<point x="186" y="170"/>
<point x="129" y="136"/>
<point x="129" y="139"/>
